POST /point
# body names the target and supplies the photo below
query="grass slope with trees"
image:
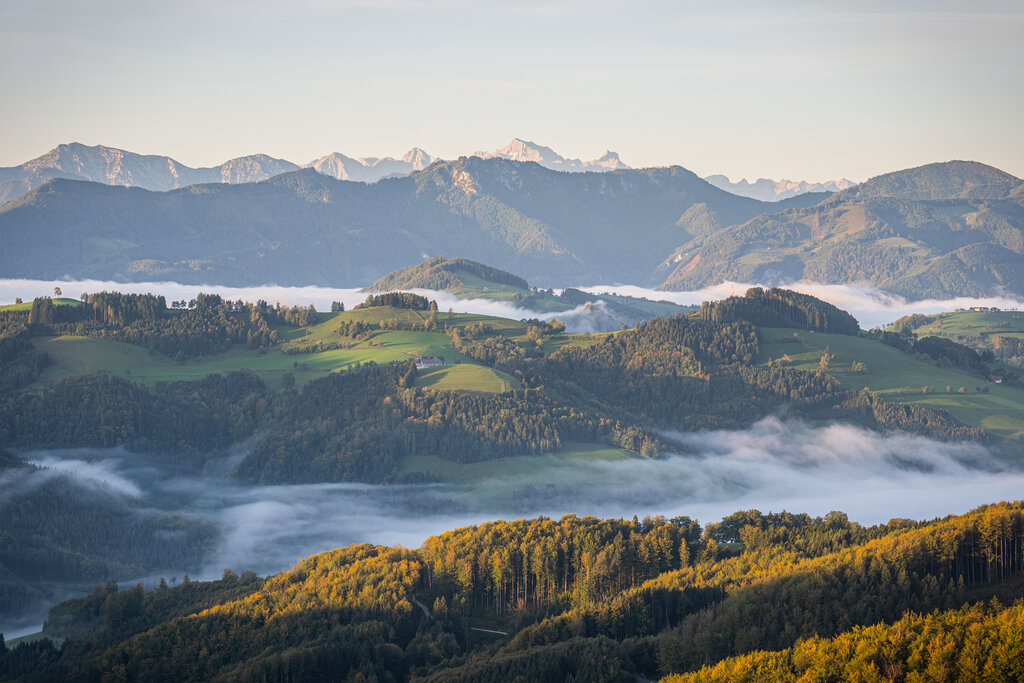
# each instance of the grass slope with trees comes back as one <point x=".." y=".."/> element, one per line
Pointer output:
<point x="1001" y="333"/>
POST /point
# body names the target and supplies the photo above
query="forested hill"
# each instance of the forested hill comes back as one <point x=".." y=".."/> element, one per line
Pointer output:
<point x="781" y="308"/>
<point x="942" y="230"/>
<point x="300" y="228"/>
<point x="579" y="599"/>
<point x="446" y="275"/>
<point x="949" y="180"/>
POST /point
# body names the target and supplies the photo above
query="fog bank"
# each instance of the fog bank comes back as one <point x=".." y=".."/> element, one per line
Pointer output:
<point x="871" y="306"/>
<point x="774" y="465"/>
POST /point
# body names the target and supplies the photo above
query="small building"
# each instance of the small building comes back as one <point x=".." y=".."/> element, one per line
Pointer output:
<point x="428" y="362"/>
<point x="998" y="379"/>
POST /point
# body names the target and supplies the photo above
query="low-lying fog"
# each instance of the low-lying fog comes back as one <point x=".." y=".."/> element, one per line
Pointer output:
<point x="771" y="466"/>
<point x="871" y="306"/>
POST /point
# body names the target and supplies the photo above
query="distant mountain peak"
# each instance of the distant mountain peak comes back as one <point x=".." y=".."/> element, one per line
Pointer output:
<point x="526" y="150"/>
<point x="419" y="158"/>
<point x="767" y="190"/>
<point x="372" y="169"/>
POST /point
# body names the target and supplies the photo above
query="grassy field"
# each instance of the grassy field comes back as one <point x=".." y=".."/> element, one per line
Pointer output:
<point x="897" y="376"/>
<point x="477" y="379"/>
<point x="27" y="306"/>
<point x="512" y="472"/>
<point x="963" y="325"/>
<point x="74" y="355"/>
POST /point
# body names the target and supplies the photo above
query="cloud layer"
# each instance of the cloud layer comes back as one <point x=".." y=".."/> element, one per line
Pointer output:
<point x="774" y="465"/>
<point x="871" y="306"/>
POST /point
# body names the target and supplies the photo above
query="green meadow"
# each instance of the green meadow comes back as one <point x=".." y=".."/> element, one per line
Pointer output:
<point x="26" y="306"/>
<point x="898" y="376"/>
<point x="465" y="377"/>
<point x="73" y="355"/>
<point x="961" y="325"/>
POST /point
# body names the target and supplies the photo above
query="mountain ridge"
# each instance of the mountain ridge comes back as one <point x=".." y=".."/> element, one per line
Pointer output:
<point x="652" y="227"/>
<point x="946" y="229"/>
<point x="303" y="226"/>
<point x="113" y="166"/>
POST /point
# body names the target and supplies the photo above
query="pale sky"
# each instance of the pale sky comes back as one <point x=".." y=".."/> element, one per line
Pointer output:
<point x="799" y="90"/>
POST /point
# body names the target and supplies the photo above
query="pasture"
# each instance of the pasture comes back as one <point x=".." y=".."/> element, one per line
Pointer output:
<point x="898" y="376"/>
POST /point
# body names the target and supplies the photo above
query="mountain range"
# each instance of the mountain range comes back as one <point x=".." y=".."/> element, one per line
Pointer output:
<point x="773" y="190"/>
<point x="947" y="229"/>
<point x="112" y="166"/>
<point x="306" y="228"/>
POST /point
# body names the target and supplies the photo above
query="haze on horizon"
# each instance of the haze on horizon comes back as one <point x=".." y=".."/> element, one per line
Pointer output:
<point x="799" y="90"/>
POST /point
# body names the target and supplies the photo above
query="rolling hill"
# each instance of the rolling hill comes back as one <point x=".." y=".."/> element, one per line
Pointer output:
<point x="999" y="332"/>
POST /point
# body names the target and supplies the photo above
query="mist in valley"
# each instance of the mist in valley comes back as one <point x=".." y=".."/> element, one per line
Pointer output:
<point x="871" y="306"/>
<point x="773" y="465"/>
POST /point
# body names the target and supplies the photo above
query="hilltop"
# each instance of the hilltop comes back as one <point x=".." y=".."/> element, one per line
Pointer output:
<point x="470" y="280"/>
<point x="456" y="275"/>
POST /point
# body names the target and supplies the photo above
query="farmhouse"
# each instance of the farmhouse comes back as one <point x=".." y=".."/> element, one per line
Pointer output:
<point x="428" y="362"/>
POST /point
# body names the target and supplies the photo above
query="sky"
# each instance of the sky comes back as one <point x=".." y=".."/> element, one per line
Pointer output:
<point x="794" y="89"/>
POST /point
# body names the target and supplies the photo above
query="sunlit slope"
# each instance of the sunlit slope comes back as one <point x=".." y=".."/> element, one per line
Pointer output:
<point x="582" y="599"/>
<point x="898" y="376"/>
<point x="466" y="377"/>
<point x="982" y="642"/>
<point x="73" y="355"/>
<point x="27" y="305"/>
